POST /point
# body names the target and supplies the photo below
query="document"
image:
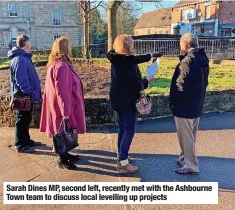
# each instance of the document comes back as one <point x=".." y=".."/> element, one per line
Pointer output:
<point x="152" y="69"/>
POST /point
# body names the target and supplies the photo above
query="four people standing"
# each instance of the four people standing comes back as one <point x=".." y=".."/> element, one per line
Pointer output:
<point x="64" y="99"/>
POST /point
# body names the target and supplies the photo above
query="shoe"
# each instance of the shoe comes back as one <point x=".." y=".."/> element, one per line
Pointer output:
<point x="179" y="163"/>
<point x="184" y="170"/>
<point x="73" y="157"/>
<point x="129" y="158"/>
<point x="126" y="169"/>
<point x="66" y="165"/>
<point x="33" y="143"/>
<point x="24" y="149"/>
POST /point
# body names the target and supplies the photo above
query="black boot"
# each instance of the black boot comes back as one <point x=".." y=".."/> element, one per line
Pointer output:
<point x="64" y="163"/>
<point x="71" y="157"/>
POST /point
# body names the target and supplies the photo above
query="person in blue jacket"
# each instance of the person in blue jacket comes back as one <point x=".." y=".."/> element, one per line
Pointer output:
<point x="24" y="81"/>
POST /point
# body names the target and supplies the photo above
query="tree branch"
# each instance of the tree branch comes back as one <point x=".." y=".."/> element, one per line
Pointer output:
<point x="96" y="6"/>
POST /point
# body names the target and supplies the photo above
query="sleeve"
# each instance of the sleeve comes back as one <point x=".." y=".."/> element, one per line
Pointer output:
<point x="22" y="77"/>
<point x="185" y="79"/>
<point x="63" y="87"/>
<point x="142" y="58"/>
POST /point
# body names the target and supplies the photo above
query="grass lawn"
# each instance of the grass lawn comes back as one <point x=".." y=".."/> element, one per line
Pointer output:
<point x="221" y="77"/>
<point x="4" y="64"/>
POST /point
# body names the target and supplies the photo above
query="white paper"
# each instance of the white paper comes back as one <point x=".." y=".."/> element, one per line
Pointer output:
<point x="152" y="69"/>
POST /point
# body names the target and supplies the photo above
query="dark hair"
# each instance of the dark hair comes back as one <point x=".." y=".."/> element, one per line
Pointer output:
<point x="21" y="40"/>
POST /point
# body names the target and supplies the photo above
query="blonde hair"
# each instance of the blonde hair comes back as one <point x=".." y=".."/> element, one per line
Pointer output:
<point x="189" y="40"/>
<point x="124" y="44"/>
<point x="61" y="51"/>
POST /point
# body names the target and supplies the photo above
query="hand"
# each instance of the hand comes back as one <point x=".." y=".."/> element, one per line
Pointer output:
<point x="65" y="117"/>
<point x="157" y="54"/>
<point x="150" y="79"/>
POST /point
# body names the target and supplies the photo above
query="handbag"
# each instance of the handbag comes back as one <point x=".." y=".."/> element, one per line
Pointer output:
<point x="144" y="103"/>
<point x="19" y="103"/>
<point x="66" y="140"/>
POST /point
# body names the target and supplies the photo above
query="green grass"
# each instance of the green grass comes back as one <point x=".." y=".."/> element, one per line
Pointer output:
<point x="4" y="64"/>
<point x="221" y="77"/>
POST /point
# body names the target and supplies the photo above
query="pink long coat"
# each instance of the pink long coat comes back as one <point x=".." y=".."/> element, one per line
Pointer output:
<point x="63" y="96"/>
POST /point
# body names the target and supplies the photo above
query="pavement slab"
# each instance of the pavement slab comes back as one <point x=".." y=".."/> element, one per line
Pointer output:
<point x="154" y="149"/>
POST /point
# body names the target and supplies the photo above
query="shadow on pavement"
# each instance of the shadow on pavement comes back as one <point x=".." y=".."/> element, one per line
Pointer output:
<point x="102" y="163"/>
<point x="209" y="121"/>
<point x="160" y="168"/>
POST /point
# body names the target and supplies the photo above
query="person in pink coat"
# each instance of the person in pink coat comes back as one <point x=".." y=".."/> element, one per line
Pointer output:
<point x="63" y="96"/>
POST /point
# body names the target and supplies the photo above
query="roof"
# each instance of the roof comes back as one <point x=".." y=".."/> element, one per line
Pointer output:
<point x="186" y="2"/>
<point x="156" y="18"/>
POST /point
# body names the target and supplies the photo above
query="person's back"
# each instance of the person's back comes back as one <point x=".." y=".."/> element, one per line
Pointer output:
<point x="196" y="67"/>
<point x="126" y="80"/>
<point x="23" y="71"/>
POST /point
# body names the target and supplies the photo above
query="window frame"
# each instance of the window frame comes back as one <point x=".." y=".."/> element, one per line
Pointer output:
<point x="182" y="15"/>
<point x="56" y="37"/>
<point x="56" y="16"/>
<point x="12" y="5"/>
<point x="209" y="13"/>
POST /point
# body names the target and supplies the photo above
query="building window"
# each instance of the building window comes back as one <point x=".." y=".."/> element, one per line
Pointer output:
<point x="12" y="9"/>
<point x="207" y="11"/>
<point x="182" y="14"/>
<point x="228" y="32"/>
<point x="56" y="18"/>
<point x="56" y="37"/>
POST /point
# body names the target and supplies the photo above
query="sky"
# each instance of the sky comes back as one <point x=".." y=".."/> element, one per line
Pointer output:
<point x="147" y="7"/>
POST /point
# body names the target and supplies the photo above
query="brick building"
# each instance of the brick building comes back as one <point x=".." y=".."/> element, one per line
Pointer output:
<point x="204" y="18"/>
<point x="43" y="20"/>
<point x="155" y="22"/>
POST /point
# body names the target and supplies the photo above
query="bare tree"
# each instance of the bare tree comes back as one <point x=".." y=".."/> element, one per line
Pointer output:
<point x="112" y="21"/>
<point x="86" y="7"/>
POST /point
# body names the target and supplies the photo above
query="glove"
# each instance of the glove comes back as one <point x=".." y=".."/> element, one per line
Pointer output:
<point x="157" y="54"/>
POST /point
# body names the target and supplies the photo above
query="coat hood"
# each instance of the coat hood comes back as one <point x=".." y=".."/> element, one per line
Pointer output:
<point x="200" y="54"/>
<point x="17" y="52"/>
<point x="114" y="57"/>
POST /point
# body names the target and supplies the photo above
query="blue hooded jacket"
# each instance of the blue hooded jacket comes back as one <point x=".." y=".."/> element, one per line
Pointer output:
<point x="24" y="75"/>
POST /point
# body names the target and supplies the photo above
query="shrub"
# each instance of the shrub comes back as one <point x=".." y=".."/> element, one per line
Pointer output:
<point x="77" y="52"/>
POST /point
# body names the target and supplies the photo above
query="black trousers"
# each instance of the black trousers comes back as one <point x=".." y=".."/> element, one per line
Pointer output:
<point x="23" y="119"/>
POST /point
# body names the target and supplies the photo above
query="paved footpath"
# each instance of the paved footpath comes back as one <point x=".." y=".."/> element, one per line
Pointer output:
<point x="154" y="150"/>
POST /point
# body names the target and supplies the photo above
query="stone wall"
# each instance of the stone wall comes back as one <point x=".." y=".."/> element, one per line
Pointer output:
<point x="35" y="19"/>
<point x="98" y="111"/>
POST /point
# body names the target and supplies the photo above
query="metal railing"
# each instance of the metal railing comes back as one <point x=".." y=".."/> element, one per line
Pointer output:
<point x="217" y="48"/>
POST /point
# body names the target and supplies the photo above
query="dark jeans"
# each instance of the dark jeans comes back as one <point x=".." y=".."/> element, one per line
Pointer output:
<point x="126" y="132"/>
<point x="23" y="119"/>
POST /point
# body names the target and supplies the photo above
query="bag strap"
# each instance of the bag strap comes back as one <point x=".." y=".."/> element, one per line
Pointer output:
<point x="65" y="123"/>
<point x="138" y="74"/>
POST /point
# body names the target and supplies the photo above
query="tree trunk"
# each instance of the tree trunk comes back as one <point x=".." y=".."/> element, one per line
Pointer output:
<point x="112" y="22"/>
<point x="86" y="31"/>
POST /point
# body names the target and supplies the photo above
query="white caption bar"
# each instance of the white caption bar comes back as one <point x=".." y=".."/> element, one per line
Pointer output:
<point x="110" y="193"/>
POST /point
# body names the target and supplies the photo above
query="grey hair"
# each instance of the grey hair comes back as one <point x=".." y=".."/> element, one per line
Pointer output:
<point x="189" y="40"/>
